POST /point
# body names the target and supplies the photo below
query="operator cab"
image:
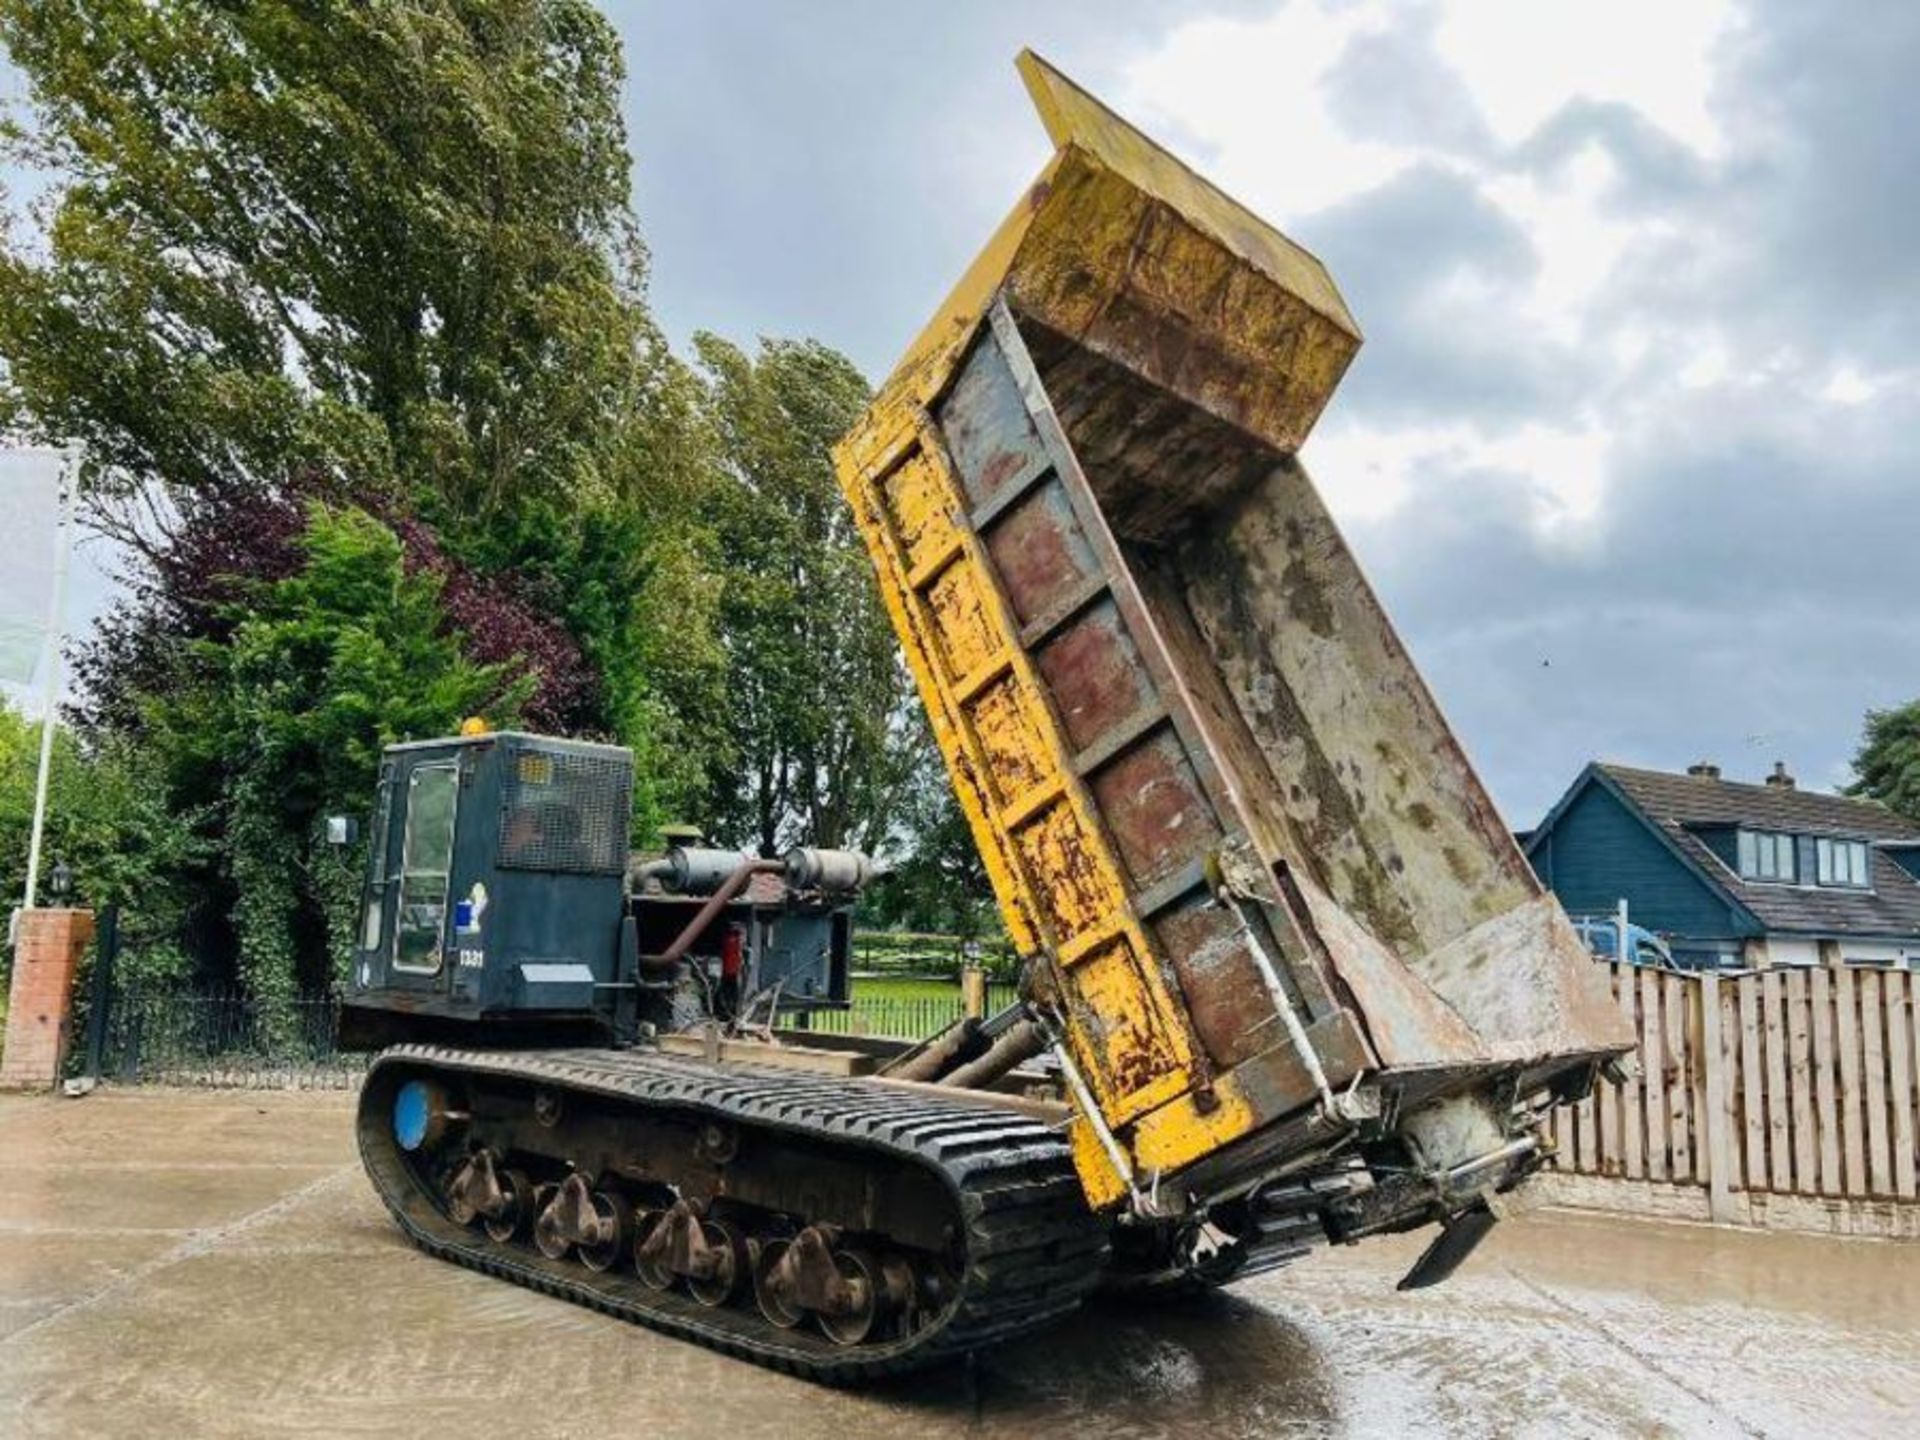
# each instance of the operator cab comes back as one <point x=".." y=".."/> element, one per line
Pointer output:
<point x="501" y="905"/>
<point x="493" y="885"/>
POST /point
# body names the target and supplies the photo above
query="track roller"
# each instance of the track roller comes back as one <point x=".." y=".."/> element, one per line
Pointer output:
<point x="517" y="1208"/>
<point x="727" y="1269"/>
<point x="685" y="1243"/>
<point x="771" y="1295"/>
<point x="595" y="1224"/>
<point x="848" y="1289"/>
<point x="656" y="1273"/>
<point x="479" y="1189"/>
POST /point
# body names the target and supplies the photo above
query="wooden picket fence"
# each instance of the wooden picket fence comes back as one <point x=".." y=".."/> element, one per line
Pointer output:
<point x="1798" y="1082"/>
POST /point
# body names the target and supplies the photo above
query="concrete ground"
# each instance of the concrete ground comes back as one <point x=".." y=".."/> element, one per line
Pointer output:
<point x="213" y="1264"/>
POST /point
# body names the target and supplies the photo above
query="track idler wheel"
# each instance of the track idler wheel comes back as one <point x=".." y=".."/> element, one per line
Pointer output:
<point x="594" y="1223"/>
<point x="849" y="1290"/>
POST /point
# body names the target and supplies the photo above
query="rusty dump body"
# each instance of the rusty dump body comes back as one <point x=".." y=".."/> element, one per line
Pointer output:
<point x="1272" y="915"/>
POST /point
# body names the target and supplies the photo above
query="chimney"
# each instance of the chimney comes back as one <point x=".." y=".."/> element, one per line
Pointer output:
<point x="1780" y="779"/>
<point x="1704" y="770"/>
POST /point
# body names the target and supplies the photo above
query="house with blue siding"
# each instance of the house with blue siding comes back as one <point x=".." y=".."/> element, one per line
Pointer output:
<point x="1736" y="874"/>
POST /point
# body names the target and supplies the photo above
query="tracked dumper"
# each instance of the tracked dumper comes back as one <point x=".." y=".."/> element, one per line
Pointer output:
<point x="1287" y="979"/>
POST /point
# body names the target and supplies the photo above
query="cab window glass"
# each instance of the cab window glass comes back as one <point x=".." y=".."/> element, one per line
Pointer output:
<point x="373" y="903"/>
<point x="426" y="859"/>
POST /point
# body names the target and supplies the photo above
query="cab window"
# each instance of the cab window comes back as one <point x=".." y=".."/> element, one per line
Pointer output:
<point x="426" y="862"/>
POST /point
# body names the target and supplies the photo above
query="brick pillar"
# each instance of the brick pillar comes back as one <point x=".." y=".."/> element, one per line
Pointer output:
<point x="47" y="952"/>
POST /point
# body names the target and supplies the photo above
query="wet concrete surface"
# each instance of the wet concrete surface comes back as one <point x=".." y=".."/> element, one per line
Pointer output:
<point x="213" y="1264"/>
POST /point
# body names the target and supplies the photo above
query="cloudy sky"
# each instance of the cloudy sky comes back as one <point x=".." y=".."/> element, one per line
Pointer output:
<point x="1631" y="449"/>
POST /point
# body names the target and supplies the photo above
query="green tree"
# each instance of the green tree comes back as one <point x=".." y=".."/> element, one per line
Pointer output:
<point x="1888" y="762"/>
<point x="284" y="724"/>
<point x="822" y="741"/>
<point x="937" y="882"/>
<point x="389" y="244"/>
<point x="391" y="238"/>
<point x="108" y="821"/>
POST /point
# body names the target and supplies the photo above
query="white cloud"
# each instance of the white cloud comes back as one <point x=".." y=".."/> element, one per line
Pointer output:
<point x="1524" y="59"/>
<point x="1708" y="366"/>
<point x="1577" y="242"/>
<point x="1564" y="470"/>
<point x="1849" y="386"/>
<point x="1366" y="472"/>
<point x="1556" y="473"/>
<point x="1249" y="91"/>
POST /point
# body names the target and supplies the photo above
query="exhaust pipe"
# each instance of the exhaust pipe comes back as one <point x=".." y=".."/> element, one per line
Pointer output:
<point x="748" y="867"/>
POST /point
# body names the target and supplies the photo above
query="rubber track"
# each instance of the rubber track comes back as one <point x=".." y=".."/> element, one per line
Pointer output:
<point x="1034" y="1251"/>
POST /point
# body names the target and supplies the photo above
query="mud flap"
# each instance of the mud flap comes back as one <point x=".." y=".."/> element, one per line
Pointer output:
<point x="1458" y="1238"/>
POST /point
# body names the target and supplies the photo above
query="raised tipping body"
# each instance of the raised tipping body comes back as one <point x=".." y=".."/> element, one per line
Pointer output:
<point x="1223" y="815"/>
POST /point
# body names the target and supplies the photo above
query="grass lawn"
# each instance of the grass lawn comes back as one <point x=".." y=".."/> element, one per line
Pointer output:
<point x="903" y="987"/>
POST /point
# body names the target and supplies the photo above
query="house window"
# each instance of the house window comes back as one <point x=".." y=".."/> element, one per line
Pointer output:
<point x="1841" y="862"/>
<point x="1766" y="855"/>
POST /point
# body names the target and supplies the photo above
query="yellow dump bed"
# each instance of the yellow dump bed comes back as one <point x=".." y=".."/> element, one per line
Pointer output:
<point x="1221" y="811"/>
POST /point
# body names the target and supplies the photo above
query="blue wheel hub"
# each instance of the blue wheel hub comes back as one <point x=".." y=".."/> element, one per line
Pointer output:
<point x="416" y="1109"/>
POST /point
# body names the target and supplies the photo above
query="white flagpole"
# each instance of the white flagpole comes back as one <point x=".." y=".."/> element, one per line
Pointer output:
<point x="56" y="625"/>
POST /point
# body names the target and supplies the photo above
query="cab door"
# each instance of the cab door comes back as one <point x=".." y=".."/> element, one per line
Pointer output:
<point x="375" y="941"/>
<point x="406" y="910"/>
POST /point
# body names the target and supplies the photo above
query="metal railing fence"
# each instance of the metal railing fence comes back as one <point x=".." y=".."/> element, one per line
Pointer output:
<point x="135" y="1031"/>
